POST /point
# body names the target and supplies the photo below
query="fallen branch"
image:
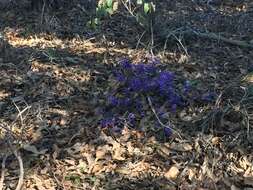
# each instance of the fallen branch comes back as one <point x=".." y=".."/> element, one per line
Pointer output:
<point x="223" y="39"/>
<point x="207" y="35"/>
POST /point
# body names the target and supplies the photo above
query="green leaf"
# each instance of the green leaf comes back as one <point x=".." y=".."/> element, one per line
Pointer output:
<point x="109" y="11"/>
<point x="93" y="23"/>
<point x="109" y="3"/>
<point x="146" y="7"/>
<point x="139" y="2"/>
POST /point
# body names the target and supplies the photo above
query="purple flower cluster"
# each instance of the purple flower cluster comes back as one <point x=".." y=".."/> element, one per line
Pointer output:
<point x="137" y="81"/>
<point x="148" y="79"/>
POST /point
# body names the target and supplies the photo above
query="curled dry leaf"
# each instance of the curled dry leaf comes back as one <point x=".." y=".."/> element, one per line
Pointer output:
<point x="172" y="173"/>
<point x="215" y="140"/>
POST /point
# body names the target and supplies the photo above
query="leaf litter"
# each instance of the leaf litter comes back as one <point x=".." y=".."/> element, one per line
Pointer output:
<point x="60" y="86"/>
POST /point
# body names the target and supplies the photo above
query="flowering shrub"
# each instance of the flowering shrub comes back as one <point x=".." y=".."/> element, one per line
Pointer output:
<point x="135" y="82"/>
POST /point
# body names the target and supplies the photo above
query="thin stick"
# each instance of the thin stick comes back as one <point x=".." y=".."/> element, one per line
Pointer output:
<point x="152" y="38"/>
<point x="42" y="13"/>
<point x="180" y="42"/>
<point x="21" y="173"/>
<point x="3" y="172"/>
<point x="160" y="122"/>
<point x="139" y="40"/>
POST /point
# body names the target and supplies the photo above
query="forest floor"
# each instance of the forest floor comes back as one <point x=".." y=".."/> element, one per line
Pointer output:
<point x="55" y="76"/>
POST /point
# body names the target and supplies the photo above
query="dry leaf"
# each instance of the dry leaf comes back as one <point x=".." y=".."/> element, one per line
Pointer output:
<point x="118" y="151"/>
<point x="123" y="171"/>
<point x="100" y="154"/>
<point x="33" y="149"/>
<point x="215" y="140"/>
<point x="172" y="173"/>
<point x="191" y="173"/>
<point x="182" y="147"/>
<point x="233" y="187"/>
<point x="248" y="181"/>
<point x="118" y="155"/>
<point x="97" y="168"/>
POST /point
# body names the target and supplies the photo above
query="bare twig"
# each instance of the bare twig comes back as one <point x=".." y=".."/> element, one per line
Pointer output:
<point x="170" y="126"/>
<point x="152" y="38"/>
<point x="20" y="112"/>
<point x="181" y="44"/>
<point x="128" y="9"/>
<point x="42" y="12"/>
<point x="21" y="172"/>
<point x="3" y="172"/>
<point x="139" y="40"/>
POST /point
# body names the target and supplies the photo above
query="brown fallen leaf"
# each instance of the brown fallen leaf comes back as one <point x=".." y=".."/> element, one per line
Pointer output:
<point x="97" y="168"/>
<point x="123" y="171"/>
<point x="100" y="154"/>
<point x="118" y="151"/>
<point x="248" y="181"/>
<point x="215" y="140"/>
<point x="233" y="187"/>
<point x="182" y="147"/>
<point x="172" y="173"/>
<point x="192" y="173"/>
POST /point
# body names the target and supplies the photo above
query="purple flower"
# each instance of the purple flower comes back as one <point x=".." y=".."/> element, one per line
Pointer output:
<point x="113" y="100"/>
<point x="150" y="69"/>
<point x="125" y="102"/>
<point x="131" y="118"/>
<point x="151" y="84"/>
<point x="173" y="107"/>
<point x="138" y="106"/>
<point x="120" y="77"/>
<point x="136" y="84"/>
<point x="165" y="81"/>
<point x="175" y="99"/>
<point x="125" y="64"/>
<point x="107" y="122"/>
<point x="116" y="129"/>
<point x="167" y="131"/>
<point x="140" y="68"/>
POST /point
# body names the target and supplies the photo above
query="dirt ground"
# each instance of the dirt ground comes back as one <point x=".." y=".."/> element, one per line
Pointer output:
<point x="55" y="73"/>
